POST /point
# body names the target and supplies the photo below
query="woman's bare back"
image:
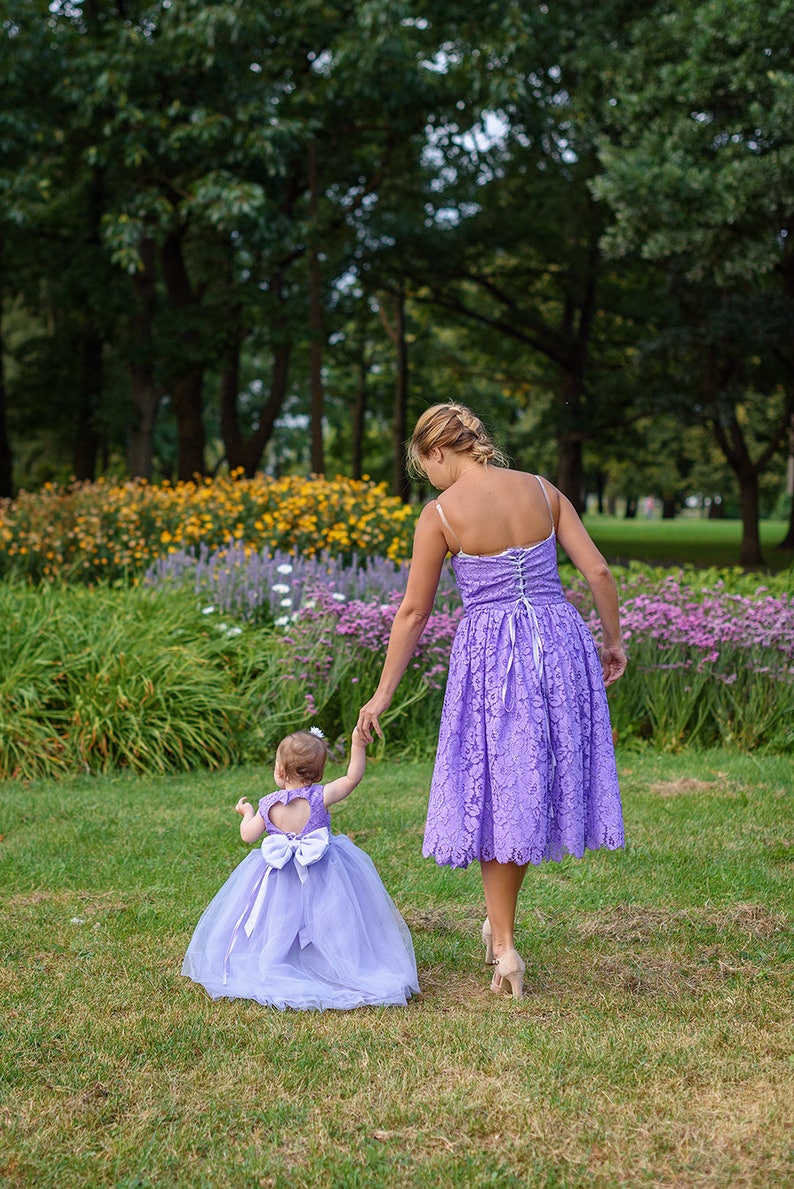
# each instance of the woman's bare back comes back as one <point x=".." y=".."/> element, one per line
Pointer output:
<point x="491" y="509"/>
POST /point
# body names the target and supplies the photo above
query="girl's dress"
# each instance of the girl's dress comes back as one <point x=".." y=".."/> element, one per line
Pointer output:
<point x="525" y="769"/>
<point x="304" y="921"/>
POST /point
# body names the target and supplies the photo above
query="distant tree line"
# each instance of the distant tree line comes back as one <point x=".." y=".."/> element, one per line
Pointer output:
<point x="260" y="235"/>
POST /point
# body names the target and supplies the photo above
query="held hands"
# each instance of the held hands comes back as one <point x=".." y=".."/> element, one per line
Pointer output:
<point x="368" y="718"/>
<point x="613" y="663"/>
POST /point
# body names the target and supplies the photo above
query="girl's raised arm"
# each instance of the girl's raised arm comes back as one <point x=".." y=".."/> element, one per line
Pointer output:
<point x="337" y="790"/>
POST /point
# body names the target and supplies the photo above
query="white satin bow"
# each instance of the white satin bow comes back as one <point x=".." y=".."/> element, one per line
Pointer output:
<point x="277" y="851"/>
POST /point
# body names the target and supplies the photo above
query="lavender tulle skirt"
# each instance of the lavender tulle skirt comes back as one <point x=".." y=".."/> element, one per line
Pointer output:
<point x="331" y="939"/>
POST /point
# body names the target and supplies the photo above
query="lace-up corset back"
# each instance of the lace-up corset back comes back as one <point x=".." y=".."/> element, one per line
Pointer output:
<point x="515" y="576"/>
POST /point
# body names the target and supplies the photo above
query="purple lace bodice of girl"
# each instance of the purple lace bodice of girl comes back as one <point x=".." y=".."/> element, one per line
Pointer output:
<point x="313" y="793"/>
<point x="525" y="769"/>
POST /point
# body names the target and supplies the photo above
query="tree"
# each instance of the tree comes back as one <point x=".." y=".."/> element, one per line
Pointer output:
<point x="699" y="174"/>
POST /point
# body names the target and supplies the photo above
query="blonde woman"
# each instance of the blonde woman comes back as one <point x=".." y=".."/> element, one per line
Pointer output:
<point x="525" y="768"/>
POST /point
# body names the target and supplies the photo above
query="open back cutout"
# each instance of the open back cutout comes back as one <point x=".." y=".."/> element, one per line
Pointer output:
<point x="290" y="818"/>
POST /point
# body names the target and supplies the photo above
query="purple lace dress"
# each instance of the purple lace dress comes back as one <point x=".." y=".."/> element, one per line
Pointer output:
<point x="525" y="769"/>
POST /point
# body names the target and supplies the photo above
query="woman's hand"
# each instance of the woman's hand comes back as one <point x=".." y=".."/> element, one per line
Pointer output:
<point x="369" y="715"/>
<point x="613" y="663"/>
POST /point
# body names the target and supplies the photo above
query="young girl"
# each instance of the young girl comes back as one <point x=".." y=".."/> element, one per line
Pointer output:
<point x="304" y="921"/>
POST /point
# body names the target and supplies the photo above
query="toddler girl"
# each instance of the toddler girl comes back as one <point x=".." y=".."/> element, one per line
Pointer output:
<point x="304" y="921"/>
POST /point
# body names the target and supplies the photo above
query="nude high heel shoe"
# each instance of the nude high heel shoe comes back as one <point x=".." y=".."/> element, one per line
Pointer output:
<point x="487" y="940"/>
<point x="509" y="974"/>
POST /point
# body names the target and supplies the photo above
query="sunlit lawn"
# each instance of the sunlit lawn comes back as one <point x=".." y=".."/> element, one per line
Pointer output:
<point x="653" y="1046"/>
<point x="684" y="541"/>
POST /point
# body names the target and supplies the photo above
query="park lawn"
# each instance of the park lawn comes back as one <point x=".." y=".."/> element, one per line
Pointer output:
<point x="652" y="1046"/>
<point x="684" y="541"/>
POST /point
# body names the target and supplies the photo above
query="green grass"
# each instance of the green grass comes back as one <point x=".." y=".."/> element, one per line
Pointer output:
<point x="684" y="541"/>
<point x="652" y="1046"/>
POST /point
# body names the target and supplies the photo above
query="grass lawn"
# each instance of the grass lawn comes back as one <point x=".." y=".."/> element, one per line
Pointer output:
<point x="684" y="541"/>
<point x="653" y="1045"/>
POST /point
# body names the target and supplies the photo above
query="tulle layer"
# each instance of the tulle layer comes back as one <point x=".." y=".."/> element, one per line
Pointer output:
<point x="334" y="940"/>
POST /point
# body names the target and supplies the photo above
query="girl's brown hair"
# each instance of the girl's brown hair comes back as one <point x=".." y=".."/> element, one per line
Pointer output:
<point x="302" y="756"/>
<point x="453" y="427"/>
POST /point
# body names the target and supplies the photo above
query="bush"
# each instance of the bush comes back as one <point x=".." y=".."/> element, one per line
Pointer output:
<point x="97" y="680"/>
<point x="157" y="679"/>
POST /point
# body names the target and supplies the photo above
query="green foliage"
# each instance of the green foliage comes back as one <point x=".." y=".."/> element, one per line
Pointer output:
<point x="105" y="679"/>
<point x="696" y="147"/>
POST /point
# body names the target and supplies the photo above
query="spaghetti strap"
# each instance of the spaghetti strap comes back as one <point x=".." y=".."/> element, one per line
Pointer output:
<point x="449" y="527"/>
<point x="546" y="498"/>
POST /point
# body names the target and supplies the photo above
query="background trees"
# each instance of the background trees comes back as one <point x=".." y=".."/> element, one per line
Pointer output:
<point x="699" y="172"/>
<point x="254" y="235"/>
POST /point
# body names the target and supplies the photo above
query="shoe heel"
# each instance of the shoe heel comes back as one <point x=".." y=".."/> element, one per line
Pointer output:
<point x="487" y="940"/>
<point x="508" y="976"/>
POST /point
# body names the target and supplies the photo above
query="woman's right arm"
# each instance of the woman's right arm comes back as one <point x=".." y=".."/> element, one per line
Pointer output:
<point x="578" y="544"/>
<point x="430" y="549"/>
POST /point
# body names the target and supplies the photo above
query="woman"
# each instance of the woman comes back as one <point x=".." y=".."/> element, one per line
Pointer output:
<point x="525" y="767"/>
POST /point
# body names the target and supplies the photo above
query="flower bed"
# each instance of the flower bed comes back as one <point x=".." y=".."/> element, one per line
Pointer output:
<point x="91" y="532"/>
<point x="220" y="653"/>
<point x="711" y="658"/>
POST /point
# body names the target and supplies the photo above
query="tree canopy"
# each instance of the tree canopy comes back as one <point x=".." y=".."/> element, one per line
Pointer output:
<point x="252" y="235"/>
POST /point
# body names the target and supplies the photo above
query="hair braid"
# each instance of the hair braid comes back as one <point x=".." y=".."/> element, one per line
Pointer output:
<point x="453" y="427"/>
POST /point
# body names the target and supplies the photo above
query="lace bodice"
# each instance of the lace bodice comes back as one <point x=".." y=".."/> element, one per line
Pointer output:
<point x="514" y="576"/>
<point x="313" y="793"/>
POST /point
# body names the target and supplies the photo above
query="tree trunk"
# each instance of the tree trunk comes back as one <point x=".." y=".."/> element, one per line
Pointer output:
<point x="359" y="417"/>
<point x="146" y="394"/>
<point x="140" y="438"/>
<point x="570" y="470"/>
<point x="400" y="484"/>
<point x="6" y="469"/>
<point x="788" y="540"/>
<point x="750" y="552"/>
<point x="241" y="451"/>
<point x="668" y="509"/>
<point x="86" y="436"/>
<point x="600" y="492"/>
<point x="734" y="446"/>
<point x="186" y="397"/>
<point x="316" y="326"/>
<point x="187" y="388"/>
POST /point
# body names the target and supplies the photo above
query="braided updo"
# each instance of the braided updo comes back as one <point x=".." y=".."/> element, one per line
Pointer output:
<point x="453" y="427"/>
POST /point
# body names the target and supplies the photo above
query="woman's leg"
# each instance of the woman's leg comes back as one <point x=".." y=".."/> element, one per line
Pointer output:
<point x="501" y="883"/>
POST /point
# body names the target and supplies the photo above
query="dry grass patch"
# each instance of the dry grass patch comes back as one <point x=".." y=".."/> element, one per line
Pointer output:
<point x="689" y="784"/>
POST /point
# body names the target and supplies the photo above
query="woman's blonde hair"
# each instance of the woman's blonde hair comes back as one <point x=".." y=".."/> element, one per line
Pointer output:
<point x="453" y="427"/>
<point x="302" y="756"/>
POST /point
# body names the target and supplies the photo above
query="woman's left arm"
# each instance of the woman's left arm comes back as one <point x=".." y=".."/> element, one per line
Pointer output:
<point x="429" y="551"/>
